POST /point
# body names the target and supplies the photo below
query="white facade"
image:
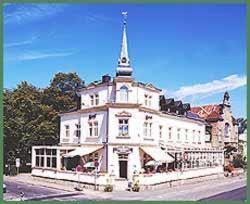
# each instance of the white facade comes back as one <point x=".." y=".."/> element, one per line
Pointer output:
<point x="121" y="117"/>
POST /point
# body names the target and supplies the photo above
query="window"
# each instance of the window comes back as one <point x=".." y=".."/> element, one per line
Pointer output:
<point x="219" y="135"/>
<point x="149" y="101"/>
<point x="40" y="157"/>
<point x="51" y="158"/>
<point x="199" y="136"/>
<point x="226" y="130"/>
<point x="170" y="133"/>
<point x="186" y="134"/>
<point x="93" y="129"/>
<point x="193" y="135"/>
<point x="67" y="130"/>
<point x="146" y="99"/>
<point x="123" y="127"/>
<point x="160" y="131"/>
<point x="91" y="100"/>
<point x="150" y="129"/>
<point x="178" y="133"/>
<point x="94" y="99"/>
<point x="78" y="130"/>
<point x="124" y="93"/>
<point x="147" y="129"/>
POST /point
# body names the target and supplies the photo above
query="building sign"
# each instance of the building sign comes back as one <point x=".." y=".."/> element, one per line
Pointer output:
<point x="123" y="150"/>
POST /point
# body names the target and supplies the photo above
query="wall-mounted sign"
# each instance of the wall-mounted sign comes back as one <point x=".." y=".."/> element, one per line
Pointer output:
<point x="123" y="150"/>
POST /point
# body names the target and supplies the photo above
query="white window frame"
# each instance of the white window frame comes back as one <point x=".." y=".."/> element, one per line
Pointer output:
<point x="78" y="130"/>
<point x="124" y="93"/>
<point x="178" y="134"/>
<point x="67" y="131"/>
<point x="94" y="99"/>
<point x="93" y="128"/>
<point x="147" y="129"/>
<point x="170" y="133"/>
<point x="160" y="131"/>
<point x="186" y="134"/>
<point x="122" y="126"/>
<point x="193" y="136"/>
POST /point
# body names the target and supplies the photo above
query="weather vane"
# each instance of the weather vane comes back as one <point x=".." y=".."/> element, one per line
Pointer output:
<point x="125" y="14"/>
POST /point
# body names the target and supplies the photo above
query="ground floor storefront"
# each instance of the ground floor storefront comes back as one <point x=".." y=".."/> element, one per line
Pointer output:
<point x="102" y="164"/>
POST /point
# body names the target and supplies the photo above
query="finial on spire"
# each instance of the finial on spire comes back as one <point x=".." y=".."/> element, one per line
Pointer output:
<point x="125" y="14"/>
<point x="124" y="68"/>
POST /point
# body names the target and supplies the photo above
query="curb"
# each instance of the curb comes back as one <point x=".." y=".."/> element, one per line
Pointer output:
<point x="53" y="196"/>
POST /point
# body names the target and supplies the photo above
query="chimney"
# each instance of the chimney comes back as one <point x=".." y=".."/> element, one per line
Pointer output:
<point x="106" y="78"/>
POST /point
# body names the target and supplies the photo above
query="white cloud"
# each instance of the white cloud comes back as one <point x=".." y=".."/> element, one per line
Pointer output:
<point x="19" y="13"/>
<point x="15" y="44"/>
<point x="207" y="89"/>
<point x="20" y="43"/>
<point x="40" y="55"/>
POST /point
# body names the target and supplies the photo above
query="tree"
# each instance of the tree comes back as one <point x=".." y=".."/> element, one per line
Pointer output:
<point x="31" y="114"/>
<point x="61" y="97"/>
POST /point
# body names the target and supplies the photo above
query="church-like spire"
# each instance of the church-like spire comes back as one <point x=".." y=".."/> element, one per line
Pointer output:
<point x="124" y="68"/>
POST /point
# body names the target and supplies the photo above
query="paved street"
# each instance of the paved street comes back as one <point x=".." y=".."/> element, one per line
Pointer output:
<point x="217" y="189"/>
<point x="238" y="194"/>
<point x="31" y="191"/>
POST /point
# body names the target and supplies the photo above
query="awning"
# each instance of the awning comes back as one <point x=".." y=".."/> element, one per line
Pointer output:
<point x="89" y="165"/>
<point x="153" y="163"/>
<point x="158" y="154"/>
<point x="82" y="151"/>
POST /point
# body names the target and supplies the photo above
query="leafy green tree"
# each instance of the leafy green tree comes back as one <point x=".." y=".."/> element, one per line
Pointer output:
<point x="31" y="114"/>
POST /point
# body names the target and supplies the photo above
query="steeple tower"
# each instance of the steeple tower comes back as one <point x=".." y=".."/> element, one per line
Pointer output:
<point x="124" y="68"/>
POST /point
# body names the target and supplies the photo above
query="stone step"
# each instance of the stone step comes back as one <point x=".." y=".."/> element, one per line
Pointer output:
<point x="120" y="184"/>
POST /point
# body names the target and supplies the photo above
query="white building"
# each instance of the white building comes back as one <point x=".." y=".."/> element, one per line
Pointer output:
<point x="120" y="125"/>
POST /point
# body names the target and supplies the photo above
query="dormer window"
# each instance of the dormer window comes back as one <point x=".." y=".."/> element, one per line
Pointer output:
<point x="124" y="94"/>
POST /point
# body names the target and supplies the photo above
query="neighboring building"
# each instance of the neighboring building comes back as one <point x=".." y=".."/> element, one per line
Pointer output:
<point x="242" y="136"/>
<point x="120" y="126"/>
<point x="224" y="128"/>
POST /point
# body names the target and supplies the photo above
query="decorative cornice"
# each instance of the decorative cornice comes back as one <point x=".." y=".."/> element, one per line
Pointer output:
<point x="123" y="79"/>
<point x="123" y="114"/>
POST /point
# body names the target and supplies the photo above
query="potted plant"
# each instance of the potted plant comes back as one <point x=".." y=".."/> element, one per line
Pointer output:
<point x="136" y="186"/>
<point x="108" y="187"/>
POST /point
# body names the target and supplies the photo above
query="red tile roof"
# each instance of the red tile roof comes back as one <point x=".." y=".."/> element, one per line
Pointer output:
<point x="208" y="111"/>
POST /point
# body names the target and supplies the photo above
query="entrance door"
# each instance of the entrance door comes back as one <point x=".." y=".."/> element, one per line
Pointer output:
<point x="123" y="169"/>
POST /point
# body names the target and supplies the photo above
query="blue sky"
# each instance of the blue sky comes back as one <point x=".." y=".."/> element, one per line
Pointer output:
<point x="193" y="52"/>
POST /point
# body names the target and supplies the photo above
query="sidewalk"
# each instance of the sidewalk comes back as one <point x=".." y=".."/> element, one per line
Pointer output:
<point x="189" y="191"/>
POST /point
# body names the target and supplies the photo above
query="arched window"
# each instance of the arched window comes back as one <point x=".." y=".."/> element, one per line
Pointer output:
<point x="124" y="93"/>
<point x="226" y="130"/>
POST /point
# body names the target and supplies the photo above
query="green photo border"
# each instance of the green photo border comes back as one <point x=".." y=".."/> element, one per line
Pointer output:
<point x="246" y="2"/>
